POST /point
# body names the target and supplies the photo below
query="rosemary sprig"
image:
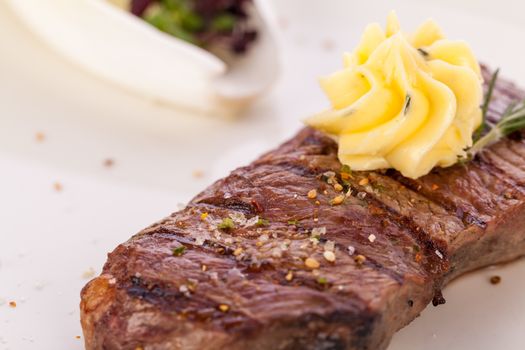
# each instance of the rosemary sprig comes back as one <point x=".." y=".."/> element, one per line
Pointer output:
<point x="485" y="107"/>
<point x="513" y="119"/>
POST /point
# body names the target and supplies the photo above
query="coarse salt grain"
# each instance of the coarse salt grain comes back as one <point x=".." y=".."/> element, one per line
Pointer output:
<point x="330" y="245"/>
<point x="439" y="254"/>
<point x="277" y="252"/>
<point x="329" y="255"/>
<point x="372" y="238"/>
<point x="318" y="231"/>
<point x="199" y="241"/>
<point x="351" y="250"/>
<point x="238" y="218"/>
<point x="253" y="221"/>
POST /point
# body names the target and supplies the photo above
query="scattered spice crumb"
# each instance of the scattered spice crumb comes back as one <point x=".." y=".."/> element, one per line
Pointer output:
<point x="317" y="203"/>
<point x="57" y="186"/>
<point x="204" y="268"/>
<point x="311" y="263"/>
<point x="372" y="238"/>
<point x="198" y="173"/>
<point x="328" y="44"/>
<point x="329" y="255"/>
<point x="337" y="200"/>
<point x="434" y="187"/>
<point x="289" y="276"/>
<point x="495" y="279"/>
<point x="108" y="162"/>
<point x="238" y="251"/>
<point x="40" y="137"/>
<point x="338" y="187"/>
<point x="312" y="194"/>
<point x="224" y="307"/>
<point x="363" y="182"/>
<point x="360" y="259"/>
<point x="139" y="348"/>
<point x="12" y="304"/>
<point x="88" y="274"/>
<point x="77" y="337"/>
<point x="204" y="216"/>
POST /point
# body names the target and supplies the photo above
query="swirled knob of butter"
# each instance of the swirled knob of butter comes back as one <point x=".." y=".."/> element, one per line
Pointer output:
<point x="408" y="102"/>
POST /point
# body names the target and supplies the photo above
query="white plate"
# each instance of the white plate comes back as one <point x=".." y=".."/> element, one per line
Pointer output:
<point x="48" y="239"/>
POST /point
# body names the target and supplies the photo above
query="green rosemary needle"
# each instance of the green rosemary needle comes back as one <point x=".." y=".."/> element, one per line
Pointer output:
<point x="485" y="106"/>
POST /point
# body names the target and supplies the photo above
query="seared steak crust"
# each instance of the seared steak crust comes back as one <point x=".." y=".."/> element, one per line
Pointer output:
<point x="190" y="282"/>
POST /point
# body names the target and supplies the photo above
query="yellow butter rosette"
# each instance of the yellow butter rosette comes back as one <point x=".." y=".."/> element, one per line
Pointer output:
<point x="408" y="102"/>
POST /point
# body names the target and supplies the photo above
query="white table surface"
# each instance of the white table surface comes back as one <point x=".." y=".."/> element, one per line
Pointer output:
<point x="50" y="240"/>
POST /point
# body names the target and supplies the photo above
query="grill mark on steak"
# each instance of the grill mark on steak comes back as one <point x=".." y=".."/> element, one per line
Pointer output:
<point x="143" y="298"/>
<point x="434" y="264"/>
<point x="501" y="169"/>
<point x="466" y="215"/>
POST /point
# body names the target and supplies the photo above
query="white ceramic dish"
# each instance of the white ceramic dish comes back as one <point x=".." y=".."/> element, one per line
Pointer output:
<point x="48" y="239"/>
<point x="125" y="50"/>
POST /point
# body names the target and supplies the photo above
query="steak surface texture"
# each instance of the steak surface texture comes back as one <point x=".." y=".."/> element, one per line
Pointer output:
<point x="259" y="261"/>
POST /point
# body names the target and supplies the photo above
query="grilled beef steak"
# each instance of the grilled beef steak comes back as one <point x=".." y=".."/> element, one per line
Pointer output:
<point x="260" y="261"/>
